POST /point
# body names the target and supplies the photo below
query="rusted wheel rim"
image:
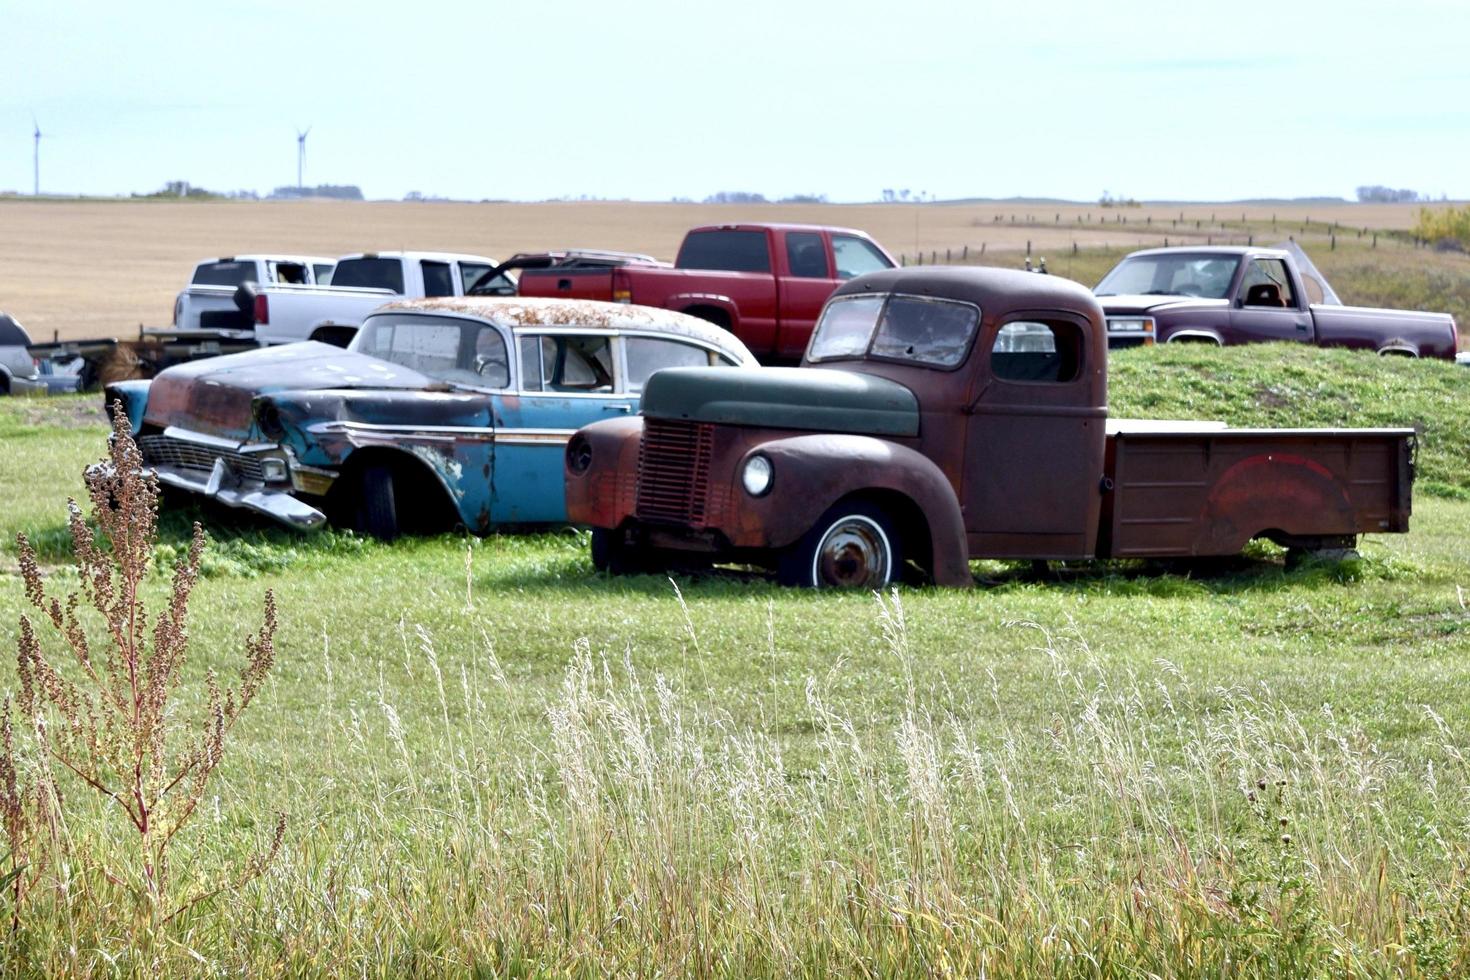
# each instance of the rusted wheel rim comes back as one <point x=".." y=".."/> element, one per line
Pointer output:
<point x="853" y="554"/>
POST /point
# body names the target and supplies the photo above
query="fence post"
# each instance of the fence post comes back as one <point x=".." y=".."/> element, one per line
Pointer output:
<point x="965" y="254"/>
<point x="1028" y="247"/>
<point x="982" y="248"/>
<point x="1333" y="246"/>
<point x="946" y="256"/>
<point x="1375" y="239"/>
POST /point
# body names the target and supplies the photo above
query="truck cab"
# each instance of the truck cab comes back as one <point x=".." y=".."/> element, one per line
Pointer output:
<point x="945" y="414"/>
<point x="765" y="283"/>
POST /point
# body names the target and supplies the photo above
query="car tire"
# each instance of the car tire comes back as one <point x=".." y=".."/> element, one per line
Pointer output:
<point x="377" y="504"/>
<point x="852" y="546"/>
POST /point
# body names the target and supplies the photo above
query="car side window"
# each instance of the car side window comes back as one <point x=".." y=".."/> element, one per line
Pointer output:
<point x="646" y="355"/>
<point x="1030" y="350"/>
<point x="805" y="255"/>
<point x="531" y="377"/>
<point x="491" y="362"/>
<point x="569" y="363"/>
<point x="437" y="281"/>
<point x="1266" y="284"/>
<point x="855" y="256"/>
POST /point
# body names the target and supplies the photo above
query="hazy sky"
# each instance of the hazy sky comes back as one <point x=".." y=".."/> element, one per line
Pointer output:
<point x="528" y="100"/>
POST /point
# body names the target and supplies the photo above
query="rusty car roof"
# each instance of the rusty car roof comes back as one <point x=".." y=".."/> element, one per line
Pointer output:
<point x="995" y="291"/>
<point x="546" y="311"/>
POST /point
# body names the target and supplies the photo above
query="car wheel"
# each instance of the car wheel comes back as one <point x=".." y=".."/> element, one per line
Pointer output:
<point x="377" y="505"/>
<point x="852" y="546"/>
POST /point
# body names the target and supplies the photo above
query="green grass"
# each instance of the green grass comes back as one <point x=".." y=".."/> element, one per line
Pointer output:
<point x="495" y="760"/>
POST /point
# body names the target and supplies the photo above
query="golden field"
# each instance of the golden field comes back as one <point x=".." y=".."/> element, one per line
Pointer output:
<point x="101" y="268"/>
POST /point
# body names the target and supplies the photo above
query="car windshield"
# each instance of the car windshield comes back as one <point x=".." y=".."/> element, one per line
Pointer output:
<point x="929" y="332"/>
<point x="1178" y="274"/>
<point x="446" y="349"/>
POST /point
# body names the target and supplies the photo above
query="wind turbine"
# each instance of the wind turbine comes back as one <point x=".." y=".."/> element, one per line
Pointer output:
<point x="301" y="135"/>
<point x="36" y="158"/>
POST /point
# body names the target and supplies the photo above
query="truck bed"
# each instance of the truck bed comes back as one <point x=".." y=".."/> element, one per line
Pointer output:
<point x="1197" y="489"/>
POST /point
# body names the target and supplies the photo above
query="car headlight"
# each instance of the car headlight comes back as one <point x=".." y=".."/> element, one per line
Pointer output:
<point x="756" y="475"/>
<point x="273" y="469"/>
<point x="1131" y="325"/>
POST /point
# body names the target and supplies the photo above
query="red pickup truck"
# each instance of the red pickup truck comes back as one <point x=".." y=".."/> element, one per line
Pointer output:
<point x="766" y="283"/>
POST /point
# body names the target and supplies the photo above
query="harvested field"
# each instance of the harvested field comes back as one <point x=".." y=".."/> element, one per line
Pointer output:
<point x="101" y="268"/>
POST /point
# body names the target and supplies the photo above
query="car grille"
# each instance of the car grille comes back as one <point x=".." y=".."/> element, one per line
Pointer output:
<point x="673" y="471"/>
<point x="163" y="450"/>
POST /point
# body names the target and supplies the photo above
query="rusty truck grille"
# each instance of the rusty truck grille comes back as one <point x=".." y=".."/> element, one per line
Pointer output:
<point x="162" y="450"/>
<point x="673" y="471"/>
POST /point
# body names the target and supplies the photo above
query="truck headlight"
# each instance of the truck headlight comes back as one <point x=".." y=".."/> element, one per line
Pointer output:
<point x="1131" y="325"/>
<point x="756" y="475"/>
<point x="579" y="454"/>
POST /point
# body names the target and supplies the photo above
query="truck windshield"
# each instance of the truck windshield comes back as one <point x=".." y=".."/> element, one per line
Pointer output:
<point x="1176" y="274"/>
<point x="370" y="274"/>
<point x="925" y="331"/>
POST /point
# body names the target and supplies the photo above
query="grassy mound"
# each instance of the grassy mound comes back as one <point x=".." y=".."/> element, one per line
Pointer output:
<point x="1285" y="385"/>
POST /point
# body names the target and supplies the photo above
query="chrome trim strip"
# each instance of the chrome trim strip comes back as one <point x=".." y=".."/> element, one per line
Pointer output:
<point x="534" y="437"/>
<point x="427" y="431"/>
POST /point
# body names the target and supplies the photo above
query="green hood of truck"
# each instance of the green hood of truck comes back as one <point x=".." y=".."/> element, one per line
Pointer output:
<point x="814" y="399"/>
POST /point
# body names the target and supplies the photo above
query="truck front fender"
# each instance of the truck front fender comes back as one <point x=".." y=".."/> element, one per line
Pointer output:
<point x="810" y="473"/>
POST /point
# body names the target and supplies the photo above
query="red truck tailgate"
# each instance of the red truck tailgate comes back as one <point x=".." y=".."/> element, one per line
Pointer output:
<point x="567" y="283"/>
<point x="1182" y="489"/>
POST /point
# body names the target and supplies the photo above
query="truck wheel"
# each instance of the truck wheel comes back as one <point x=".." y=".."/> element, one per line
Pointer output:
<point x="852" y="546"/>
<point x="611" y="553"/>
<point x="377" y="505"/>
<point x="1297" y="557"/>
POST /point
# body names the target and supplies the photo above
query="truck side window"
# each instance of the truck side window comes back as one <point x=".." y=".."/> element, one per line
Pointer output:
<point x="323" y="273"/>
<point x="805" y="255"/>
<point x="437" y="281"/>
<point x="1028" y="350"/>
<point x="726" y="251"/>
<point x="1266" y="284"/>
<point x="855" y="257"/>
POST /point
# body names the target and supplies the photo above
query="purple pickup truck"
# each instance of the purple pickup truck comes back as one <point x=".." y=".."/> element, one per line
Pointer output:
<point x="1232" y="295"/>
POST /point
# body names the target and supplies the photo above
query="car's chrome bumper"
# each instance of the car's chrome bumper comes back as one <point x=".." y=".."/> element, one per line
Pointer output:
<point x="219" y="486"/>
<point x="259" y="477"/>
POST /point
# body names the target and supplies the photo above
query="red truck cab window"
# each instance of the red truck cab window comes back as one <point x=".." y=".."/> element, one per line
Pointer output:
<point x="725" y="250"/>
<point x="855" y="256"/>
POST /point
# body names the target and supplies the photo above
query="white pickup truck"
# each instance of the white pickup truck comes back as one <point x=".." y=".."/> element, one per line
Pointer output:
<point x="208" y="302"/>
<point x="283" y="313"/>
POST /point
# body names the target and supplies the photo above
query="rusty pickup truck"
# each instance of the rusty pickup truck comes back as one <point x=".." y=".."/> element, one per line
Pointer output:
<point x="945" y="414"/>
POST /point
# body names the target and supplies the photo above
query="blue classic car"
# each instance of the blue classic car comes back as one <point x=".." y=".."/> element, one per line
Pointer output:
<point x="441" y="413"/>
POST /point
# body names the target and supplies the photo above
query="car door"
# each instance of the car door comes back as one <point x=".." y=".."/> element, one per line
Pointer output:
<point x="1268" y="305"/>
<point x="567" y="379"/>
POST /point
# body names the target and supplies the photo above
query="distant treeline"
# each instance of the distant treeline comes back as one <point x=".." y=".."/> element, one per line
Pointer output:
<point x="1378" y="194"/>
<point x="341" y="192"/>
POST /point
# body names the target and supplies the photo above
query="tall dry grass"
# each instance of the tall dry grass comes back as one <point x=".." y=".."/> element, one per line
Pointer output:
<point x="1151" y="827"/>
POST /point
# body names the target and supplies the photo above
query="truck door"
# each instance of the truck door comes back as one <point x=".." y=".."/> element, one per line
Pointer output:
<point x="803" y="282"/>
<point x="567" y="380"/>
<point x="1268" y="305"/>
<point x="1035" y="441"/>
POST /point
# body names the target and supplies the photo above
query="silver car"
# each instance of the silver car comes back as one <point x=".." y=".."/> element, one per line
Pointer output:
<point x="20" y="374"/>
